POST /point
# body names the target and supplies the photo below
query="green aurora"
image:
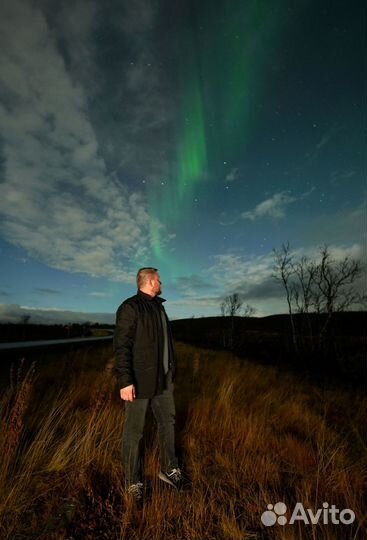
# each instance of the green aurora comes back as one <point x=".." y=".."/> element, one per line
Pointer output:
<point x="225" y="56"/>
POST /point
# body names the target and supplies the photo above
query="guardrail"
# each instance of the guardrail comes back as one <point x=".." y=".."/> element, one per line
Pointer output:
<point x="17" y="345"/>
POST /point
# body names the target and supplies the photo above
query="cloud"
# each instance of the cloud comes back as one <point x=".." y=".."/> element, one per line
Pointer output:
<point x="252" y="276"/>
<point x="46" y="291"/>
<point x="206" y="306"/>
<point x="274" y="207"/>
<point x="189" y="286"/>
<point x="74" y="29"/>
<point x="100" y="294"/>
<point x="345" y="228"/>
<point x="13" y="313"/>
<point x="324" y="140"/>
<point x="230" y="273"/>
<point x="238" y="273"/>
<point x="135" y="110"/>
<point x="224" y="219"/>
<point x="338" y="177"/>
<point x="232" y="175"/>
<point x="58" y="199"/>
<point x="249" y="276"/>
<point x="269" y="288"/>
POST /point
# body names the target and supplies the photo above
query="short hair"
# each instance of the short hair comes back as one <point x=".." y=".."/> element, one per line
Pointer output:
<point x="144" y="274"/>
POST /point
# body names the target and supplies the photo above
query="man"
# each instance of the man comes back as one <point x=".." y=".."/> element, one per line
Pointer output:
<point x="145" y="362"/>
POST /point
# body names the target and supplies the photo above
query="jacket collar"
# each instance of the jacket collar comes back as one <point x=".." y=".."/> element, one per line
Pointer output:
<point x="146" y="296"/>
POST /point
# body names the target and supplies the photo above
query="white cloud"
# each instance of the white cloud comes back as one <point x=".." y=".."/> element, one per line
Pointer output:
<point x="340" y="176"/>
<point x="274" y="207"/>
<point x="74" y="28"/>
<point x="232" y="175"/>
<point x="191" y="286"/>
<point x="252" y="276"/>
<point x="345" y="227"/>
<point x="14" y="312"/>
<point x="44" y="290"/>
<point x="324" y="140"/>
<point x="238" y="273"/>
<point x="185" y="308"/>
<point x="142" y="97"/>
<point x="224" y="221"/>
<point x="57" y="200"/>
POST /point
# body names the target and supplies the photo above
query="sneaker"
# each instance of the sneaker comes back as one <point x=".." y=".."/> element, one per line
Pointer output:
<point x="173" y="478"/>
<point x="135" y="492"/>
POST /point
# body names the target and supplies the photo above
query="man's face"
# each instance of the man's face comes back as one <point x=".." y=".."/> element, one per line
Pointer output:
<point x="156" y="284"/>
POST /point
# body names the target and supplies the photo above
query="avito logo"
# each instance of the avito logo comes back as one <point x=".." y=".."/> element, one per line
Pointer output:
<point x="327" y="514"/>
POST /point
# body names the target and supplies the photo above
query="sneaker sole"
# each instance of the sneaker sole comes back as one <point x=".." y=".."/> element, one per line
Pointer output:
<point x="166" y="480"/>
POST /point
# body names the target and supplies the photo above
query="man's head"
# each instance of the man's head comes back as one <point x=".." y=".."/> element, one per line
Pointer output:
<point x="148" y="281"/>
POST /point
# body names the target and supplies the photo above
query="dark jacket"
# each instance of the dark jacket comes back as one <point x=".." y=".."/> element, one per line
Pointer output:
<point x="138" y="345"/>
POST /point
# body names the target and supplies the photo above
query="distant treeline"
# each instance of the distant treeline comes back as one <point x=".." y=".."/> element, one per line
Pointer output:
<point x="34" y="332"/>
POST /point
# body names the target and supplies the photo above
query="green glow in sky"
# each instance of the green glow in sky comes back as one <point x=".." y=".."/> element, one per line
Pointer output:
<point x="221" y="82"/>
<point x="191" y="137"/>
<point x="191" y="154"/>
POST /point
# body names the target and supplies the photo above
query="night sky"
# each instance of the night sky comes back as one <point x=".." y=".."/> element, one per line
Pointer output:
<point x="194" y="136"/>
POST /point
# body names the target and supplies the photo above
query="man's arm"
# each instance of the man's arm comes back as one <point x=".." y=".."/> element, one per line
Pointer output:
<point x="123" y="347"/>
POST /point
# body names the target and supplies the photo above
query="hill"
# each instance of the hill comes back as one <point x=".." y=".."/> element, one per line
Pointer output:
<point x="339" y="354"/>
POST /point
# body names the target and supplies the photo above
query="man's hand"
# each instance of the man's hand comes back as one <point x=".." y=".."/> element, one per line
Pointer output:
<point x="128" y="393"/>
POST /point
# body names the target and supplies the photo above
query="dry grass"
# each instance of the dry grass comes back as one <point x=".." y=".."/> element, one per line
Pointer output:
<point x="248" y="436"/>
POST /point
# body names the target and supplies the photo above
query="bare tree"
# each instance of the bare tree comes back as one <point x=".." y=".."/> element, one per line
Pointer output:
<point x="248" y="311"/>
<point x="323" y="287"/>
<point x="303" y="293"/>
<point x="231" y="305"/>
<point x="335" y="285"/>
<point x="283" y="273"/>
<point x="24" y="319"/>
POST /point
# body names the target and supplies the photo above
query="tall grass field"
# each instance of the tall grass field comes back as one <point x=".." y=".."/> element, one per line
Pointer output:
<point x="248" y="437"/>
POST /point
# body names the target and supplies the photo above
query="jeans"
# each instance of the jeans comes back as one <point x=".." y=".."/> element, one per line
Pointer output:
<point x="163" y="408"/>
